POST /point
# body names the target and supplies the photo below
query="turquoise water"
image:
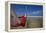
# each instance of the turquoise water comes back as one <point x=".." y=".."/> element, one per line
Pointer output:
<point x="34" y="22"/>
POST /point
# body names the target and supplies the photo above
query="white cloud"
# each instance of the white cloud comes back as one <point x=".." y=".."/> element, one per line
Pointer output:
<point x="36" y="12"/>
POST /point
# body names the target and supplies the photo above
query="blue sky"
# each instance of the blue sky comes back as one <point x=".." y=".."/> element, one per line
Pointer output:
<point x="30" y="10"/>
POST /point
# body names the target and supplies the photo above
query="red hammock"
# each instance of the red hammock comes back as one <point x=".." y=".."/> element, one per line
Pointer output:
<point x="23" y="22"/>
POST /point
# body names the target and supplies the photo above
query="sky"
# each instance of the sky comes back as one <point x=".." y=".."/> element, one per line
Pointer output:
<point x="30" y="10"/>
